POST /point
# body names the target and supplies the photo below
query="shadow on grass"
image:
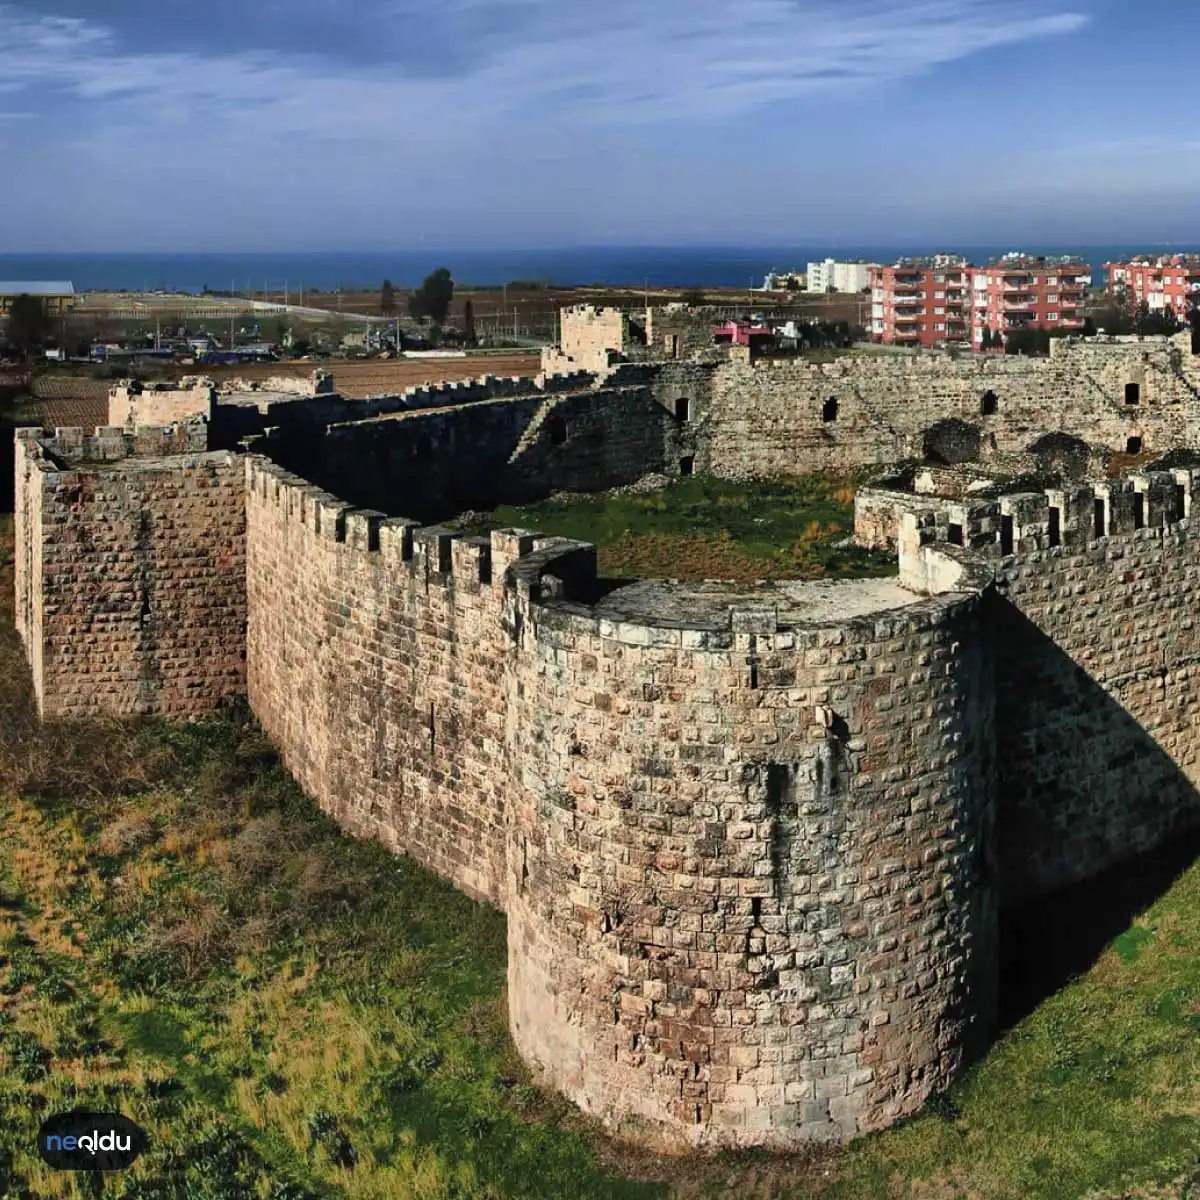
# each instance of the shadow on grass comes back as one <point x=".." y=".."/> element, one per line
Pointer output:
<point x="1046" y="944"/>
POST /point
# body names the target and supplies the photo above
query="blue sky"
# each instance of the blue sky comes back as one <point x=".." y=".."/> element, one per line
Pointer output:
<point x="319" y="124"/>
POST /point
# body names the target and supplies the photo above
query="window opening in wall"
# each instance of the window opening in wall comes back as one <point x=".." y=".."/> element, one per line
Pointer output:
<point x="1006" y="535"/>
<point x="1133" y="445"/>
<point x="1055" y="529"/>
<point x="687" y="465"/>
<point x="1133" y="393"/>
<point x="989" y="404"/>
<point x="683" y="409"/>
<point x="1098" y="518"/>
<point x="1139" y="510"/>
<point x="955" y="535"/>
<point x="557" y="428"/>
<point x="1180" y="501"/>
<point x="829" y="411"/>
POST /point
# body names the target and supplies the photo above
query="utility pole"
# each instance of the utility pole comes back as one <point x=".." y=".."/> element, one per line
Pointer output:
<point x="285" y="295"/>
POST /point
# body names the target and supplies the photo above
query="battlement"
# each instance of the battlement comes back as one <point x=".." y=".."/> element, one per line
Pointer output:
<point x="1012" y="523"/>
<point x="108" y="443"/>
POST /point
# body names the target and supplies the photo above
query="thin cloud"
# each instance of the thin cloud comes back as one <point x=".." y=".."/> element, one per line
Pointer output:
<point x="552" y="63"/>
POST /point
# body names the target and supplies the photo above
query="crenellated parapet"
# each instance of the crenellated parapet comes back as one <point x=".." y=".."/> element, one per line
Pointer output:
<point x="998" y="526"/>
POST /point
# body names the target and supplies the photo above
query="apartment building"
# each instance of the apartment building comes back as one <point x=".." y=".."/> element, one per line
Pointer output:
<point x="840" y="276"/>
<point x="1022" y="292"/>
<point x="56" y="297"/>
<point x="944" y="299"/>
<point x="1164" y="282"/>
<point x="921" y="301"/>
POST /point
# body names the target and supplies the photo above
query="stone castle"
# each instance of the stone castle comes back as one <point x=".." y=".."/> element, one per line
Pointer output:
<point x="752" y="842"/>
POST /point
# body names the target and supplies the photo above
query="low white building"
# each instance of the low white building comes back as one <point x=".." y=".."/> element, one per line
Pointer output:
<point x="838" y="276"/>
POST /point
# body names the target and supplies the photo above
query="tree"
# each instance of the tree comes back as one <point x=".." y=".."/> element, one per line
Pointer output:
<point x="1152" y="324"/>
<point x="693" y="296"/>
<point x="387" y="298"/>
<point x="431" y="301"/>
<point x="469" y="323"/>
<point x="1114" y="319"/>
<point x="985" y="343"/>
<point x="28" y="324"/>
<point x="1089" y="327"/>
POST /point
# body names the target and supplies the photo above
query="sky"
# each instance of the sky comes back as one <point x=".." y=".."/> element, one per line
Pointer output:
<point x="165" y="125"/>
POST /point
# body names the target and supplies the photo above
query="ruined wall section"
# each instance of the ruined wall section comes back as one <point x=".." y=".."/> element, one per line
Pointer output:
<point x="131" y="573"/>
<point x="132" y="403"/>
<point x="374" y="663"/>
<point x="432" y="463"/>
<point x="748" y="900"/>
<point x="589" y="338"/>
<point x="769" y="416"/>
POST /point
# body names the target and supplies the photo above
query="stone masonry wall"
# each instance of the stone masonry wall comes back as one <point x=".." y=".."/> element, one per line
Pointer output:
<point x="133" y="404"/>
<point x="768" y="416"/>
<point x="1098" y="705"/>
<point x="587" y="335"/>
<point x="374" y="663"/>
<point x="1097" y="652"/>
<point x="433" y="463"/>
<point x="130" y="578"/>
<point x="746" y="892"/>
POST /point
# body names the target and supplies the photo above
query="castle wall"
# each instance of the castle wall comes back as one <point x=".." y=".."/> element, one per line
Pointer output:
<point x="130" y="404"/>
<point x="751" y="861"/>
<point x="1097" y="655"/>
<point x="770" y="415"/>
<point x="131" y="576"/>
<point x="1098" y="705"/>
<point x="747" y="898"/>
<point x="433" y="463"/>
<point x="587" y="334"/>
<point x="374" y="664"/>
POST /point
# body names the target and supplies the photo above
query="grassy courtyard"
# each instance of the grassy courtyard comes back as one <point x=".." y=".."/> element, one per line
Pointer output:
<point x="291" y="1013"/>
<point x="706" y="528"/>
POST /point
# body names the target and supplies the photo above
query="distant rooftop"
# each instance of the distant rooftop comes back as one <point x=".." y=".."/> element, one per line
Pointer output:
<point x="36" y="287"/>
<point x="1015" y="261"/>
<point x="1159" y="260"/>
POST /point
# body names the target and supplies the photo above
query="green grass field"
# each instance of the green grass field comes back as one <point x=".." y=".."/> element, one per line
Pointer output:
<point x="707" y="528"/>
<point x="291" y="1013"/>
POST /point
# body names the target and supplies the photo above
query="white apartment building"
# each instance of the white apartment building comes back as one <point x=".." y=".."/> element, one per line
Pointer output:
<point x="841" y="276"/>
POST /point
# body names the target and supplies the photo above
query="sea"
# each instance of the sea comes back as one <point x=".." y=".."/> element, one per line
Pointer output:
<point x="675" y="266"/>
